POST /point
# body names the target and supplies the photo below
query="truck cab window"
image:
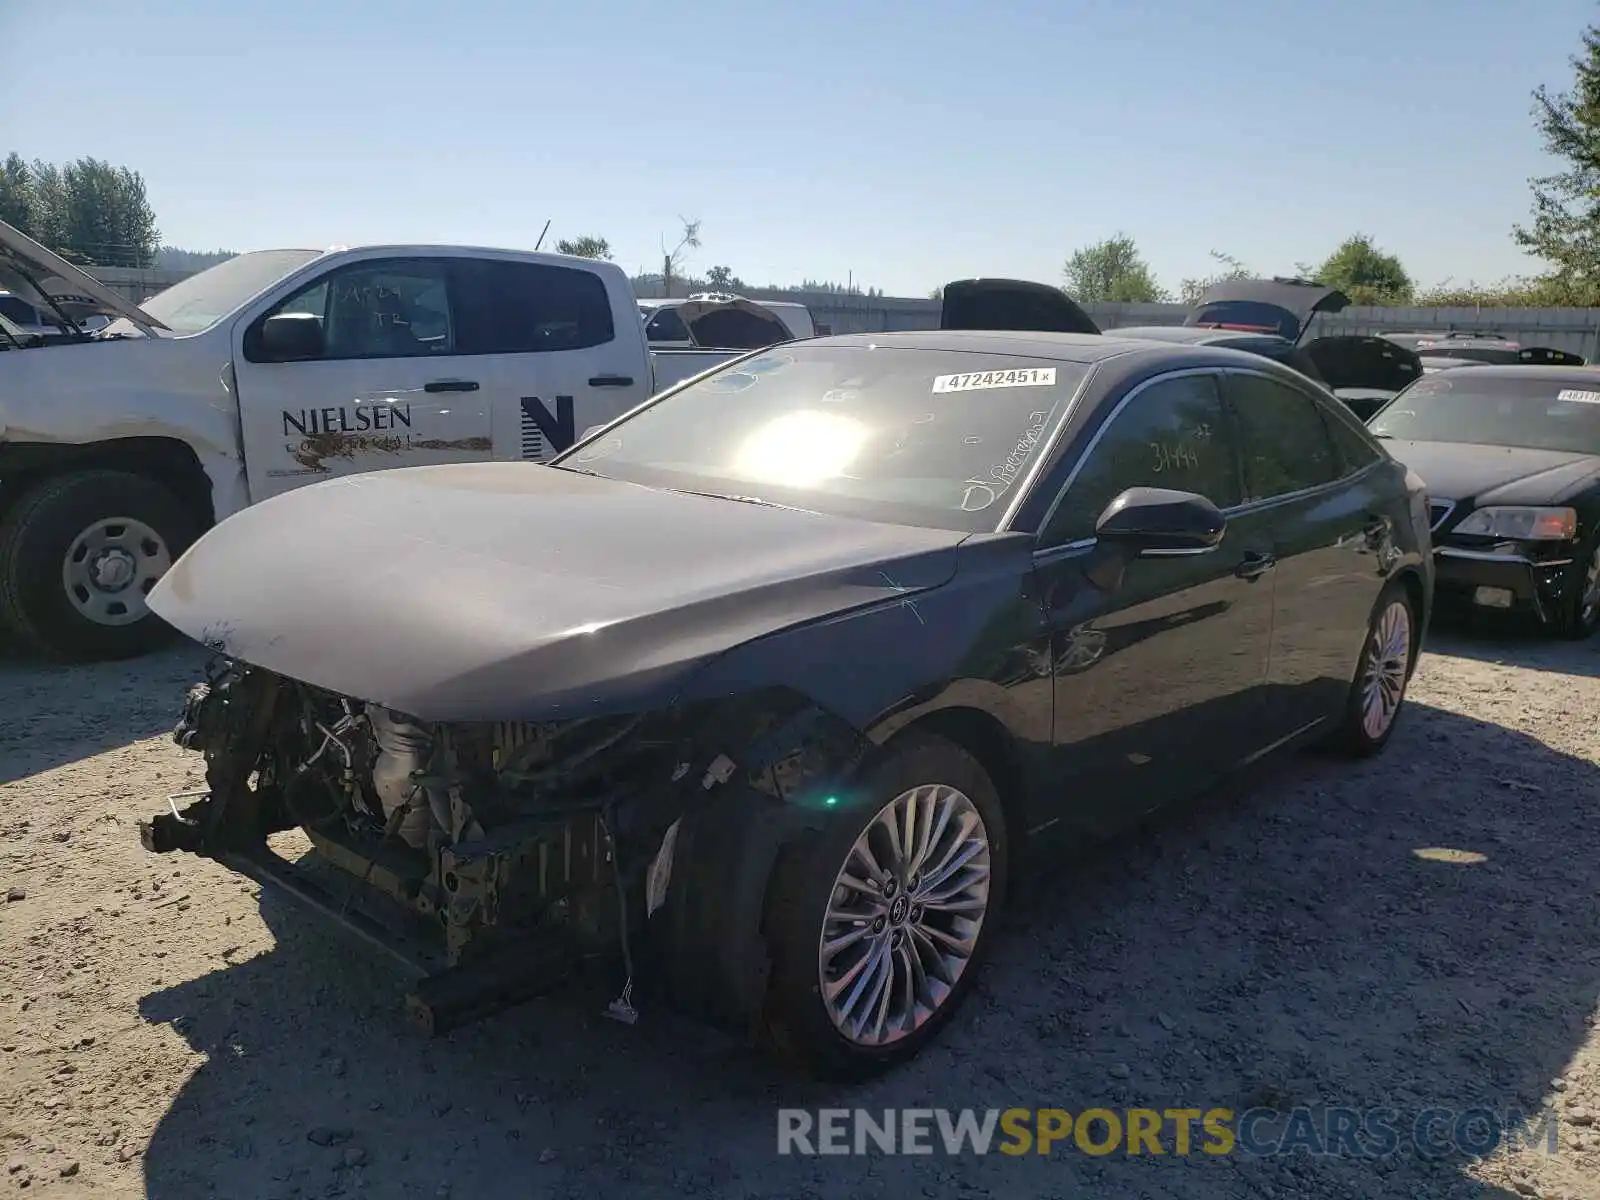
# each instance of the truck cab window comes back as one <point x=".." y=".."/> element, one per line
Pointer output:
<point x="667" y="326"/>
<point x="508" y="307"/>
<point x="382" y="309"/>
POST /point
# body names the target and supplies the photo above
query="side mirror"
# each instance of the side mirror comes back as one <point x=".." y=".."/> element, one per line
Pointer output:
<point x="291" y="337"/>
<point x="1159" y="523"/>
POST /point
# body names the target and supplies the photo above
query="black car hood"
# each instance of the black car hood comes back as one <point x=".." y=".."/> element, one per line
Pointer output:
<point x="1461" y="471"/>
<point x="1011" y="304"/>
<point x="1281" y="306"/>
<point x="1363" y="361"/>
<point x="513" y="591"/>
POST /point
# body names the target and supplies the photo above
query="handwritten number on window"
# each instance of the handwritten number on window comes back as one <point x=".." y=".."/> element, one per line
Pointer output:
<point x="1175" y="456"/>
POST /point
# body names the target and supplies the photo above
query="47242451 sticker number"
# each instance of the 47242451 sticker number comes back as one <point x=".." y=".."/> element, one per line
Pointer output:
<point x="976" y="381"/>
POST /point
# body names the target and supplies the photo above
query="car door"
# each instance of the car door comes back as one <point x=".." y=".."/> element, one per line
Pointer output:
<point x="555" y="350"/>
<point x="387" y="390"/>
<point x="1331" y="531"/>
<point x="1157" y="677"/>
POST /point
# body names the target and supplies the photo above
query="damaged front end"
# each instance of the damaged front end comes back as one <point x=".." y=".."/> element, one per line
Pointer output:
<point x="497" y="860"/>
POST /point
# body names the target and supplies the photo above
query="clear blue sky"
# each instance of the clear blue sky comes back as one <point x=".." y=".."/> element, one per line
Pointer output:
<point x="906" y="144"/>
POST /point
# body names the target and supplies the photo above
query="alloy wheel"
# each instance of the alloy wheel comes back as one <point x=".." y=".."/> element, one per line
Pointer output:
<point x="1383" y="677"/>
<point x="904" y="915"/>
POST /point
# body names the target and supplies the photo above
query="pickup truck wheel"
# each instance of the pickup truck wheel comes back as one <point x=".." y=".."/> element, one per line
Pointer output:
<point x="78" y="555"/>
<point x="878" y="923"/>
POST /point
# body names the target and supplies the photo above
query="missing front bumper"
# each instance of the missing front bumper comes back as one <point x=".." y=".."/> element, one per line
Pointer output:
<point x="1492" y="580"/>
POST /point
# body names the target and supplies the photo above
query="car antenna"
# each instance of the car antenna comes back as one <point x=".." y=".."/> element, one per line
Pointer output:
<point x="542" y="232"/>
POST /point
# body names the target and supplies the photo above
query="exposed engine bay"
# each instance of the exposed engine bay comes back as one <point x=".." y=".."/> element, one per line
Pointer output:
<point x="507" y="855"/>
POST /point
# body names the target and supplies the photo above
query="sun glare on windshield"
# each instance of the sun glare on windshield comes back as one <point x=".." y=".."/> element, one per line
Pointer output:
<point x="799" y="449"/>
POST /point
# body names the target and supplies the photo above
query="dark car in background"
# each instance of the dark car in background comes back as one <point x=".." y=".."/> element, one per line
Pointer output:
<point x="1511" y="458"/>
<point x="804" y="657"/>
<point x="1441" y="349"/>
<point x="1271" y="317"/>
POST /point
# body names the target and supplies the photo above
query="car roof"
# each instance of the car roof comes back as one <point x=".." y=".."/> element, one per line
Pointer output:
<point x="1199" y="335"/>
<point x="1064" y="347"/>
<point x="1588" y="375"/>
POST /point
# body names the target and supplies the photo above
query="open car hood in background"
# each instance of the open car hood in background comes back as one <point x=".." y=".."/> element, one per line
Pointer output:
<point x="1362" y="361"/>
<point x="732" y="324"/>
<point x="24" y="262"/>
<point x="1012" y="304"/>
<point x="1281" y="306"/>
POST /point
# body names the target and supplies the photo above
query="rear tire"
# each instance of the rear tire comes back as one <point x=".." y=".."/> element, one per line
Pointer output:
<point x="864" y="977"/>
<point x="1378" y="692"/>
<point x="78" y="555"/>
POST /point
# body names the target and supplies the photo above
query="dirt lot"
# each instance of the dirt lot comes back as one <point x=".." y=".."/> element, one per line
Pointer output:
<point x="166" y="1032"/>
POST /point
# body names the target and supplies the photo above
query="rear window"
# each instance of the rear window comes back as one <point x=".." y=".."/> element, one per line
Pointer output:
<point x="914" y="436"/>
<point x="1485" y="408"/>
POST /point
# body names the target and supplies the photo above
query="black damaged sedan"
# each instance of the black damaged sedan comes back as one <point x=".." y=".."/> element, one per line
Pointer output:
<point x="755" y="701"/>
<point x="1511" y="459"/>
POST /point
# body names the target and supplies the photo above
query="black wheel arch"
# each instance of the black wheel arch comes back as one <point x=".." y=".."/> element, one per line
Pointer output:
<point x="709" y="941"/>
<point x="169" y="462"/>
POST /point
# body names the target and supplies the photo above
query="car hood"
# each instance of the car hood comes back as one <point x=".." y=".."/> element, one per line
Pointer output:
<point x="514" y="591"/>
<point x="1011" y="304"/>
<point x="39" y="275"/>
<point x="1460" y="471"/>
<point x="1281" y="306"/>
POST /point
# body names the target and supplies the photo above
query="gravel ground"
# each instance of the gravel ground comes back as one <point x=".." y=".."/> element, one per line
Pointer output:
<point x="167" y="1032"/>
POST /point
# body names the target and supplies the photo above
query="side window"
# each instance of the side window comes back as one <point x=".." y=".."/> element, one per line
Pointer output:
<point x="388" y="308"/>
<point x="19" y="311"/>
<point x="1356" y="450"/>
<point x="510" y="307"/>
<point x="667" y="326"/>
<point x="1173" y="434"/>
<point x="1282" y="439"/>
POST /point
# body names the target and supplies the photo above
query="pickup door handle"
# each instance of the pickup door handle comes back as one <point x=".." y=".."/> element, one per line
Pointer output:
<point x="451" y="385"/>
<point x="1255" y="565"/>
<point x="611" y="381"/>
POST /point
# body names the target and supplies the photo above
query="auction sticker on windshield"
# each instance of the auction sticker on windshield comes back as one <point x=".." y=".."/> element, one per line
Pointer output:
<point x="1580" y="396"/>
<point x="977" y="381"/>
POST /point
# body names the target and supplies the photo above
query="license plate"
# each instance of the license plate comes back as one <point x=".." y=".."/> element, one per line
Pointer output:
<point x="1493" y="597"/>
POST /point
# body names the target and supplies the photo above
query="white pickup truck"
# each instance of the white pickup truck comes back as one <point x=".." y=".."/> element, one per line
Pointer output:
<point x="272" y="370"/>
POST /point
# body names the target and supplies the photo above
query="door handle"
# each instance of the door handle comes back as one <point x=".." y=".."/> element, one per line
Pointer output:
<point x="1255" y="565"/>
<point x="611" y="381"/>
<point x="451" y="385"/>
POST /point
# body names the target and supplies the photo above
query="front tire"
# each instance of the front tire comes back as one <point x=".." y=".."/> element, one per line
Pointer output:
<point x="879" y="922"/>
<point x="1580" y="610"/>
<point x="1379" y="690"/>
<point x="79" y="554"/>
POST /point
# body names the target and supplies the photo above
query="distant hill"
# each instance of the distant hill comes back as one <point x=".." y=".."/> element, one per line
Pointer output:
<point x="170" y="258"/>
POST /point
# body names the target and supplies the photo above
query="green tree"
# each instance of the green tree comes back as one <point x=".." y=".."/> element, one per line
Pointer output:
<point x="16" y="193"/>
<point x="585" y="247"/>
<point x="1365" y="273"/>
<point x="1111" y="271"/>
<point x="722" y="279"/>
<point x="1565" y="230"/>
<point x="87" y="211"/>
<point x="1229" y="268"/>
